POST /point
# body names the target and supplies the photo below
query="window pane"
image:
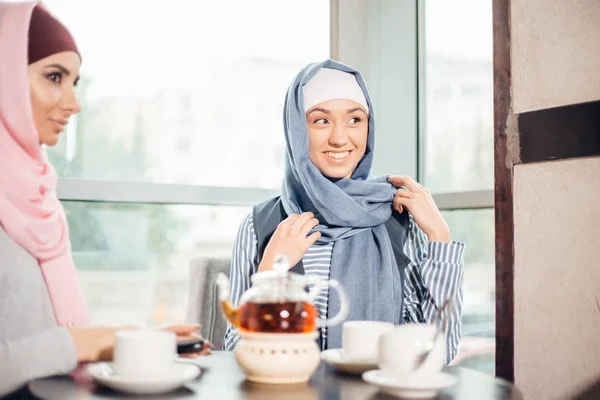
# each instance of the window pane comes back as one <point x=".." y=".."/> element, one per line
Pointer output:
<point x="133" y="259"/>
<point x="192" y="93"/>
<point x="459" y="123"/>
<point x="476" y="229"/>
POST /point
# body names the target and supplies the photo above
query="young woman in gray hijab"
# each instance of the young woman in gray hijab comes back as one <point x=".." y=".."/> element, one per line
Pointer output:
<point x="382" y="238"/>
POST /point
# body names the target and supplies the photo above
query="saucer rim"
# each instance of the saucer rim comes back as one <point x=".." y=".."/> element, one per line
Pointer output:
<point x="325" y="356"/>
<point x="406" y="385"/>
<point x="183" y="375"/>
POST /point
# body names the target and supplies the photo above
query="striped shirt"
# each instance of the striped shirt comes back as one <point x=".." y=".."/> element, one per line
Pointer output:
<point x="435" y="272"/>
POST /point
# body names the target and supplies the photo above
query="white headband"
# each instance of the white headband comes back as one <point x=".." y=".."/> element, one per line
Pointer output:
<point x="333" y="84"/>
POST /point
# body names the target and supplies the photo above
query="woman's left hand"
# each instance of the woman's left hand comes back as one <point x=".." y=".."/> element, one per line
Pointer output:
<point x="417" y="199"/>
<point x="186" y="332"/>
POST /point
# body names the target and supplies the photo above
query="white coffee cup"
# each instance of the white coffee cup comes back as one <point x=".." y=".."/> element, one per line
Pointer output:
<point x="144" y="352"/>
<point x="398" y="350"/>
<point x="360" y="339"/>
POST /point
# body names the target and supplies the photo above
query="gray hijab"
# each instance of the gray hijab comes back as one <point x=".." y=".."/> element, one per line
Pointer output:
<point x="352" y="213"/>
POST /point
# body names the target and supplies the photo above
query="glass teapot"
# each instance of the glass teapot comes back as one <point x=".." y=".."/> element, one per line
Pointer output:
<point x="278" y="301"/>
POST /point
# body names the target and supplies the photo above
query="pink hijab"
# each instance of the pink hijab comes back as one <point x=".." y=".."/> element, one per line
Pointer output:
<point x="30" y="211"/>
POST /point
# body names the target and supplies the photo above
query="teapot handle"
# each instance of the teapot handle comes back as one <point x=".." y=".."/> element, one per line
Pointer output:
<point x="320" y="284"/>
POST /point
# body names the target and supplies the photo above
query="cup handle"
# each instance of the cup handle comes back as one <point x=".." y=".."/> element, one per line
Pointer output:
<point x="320" y="284"/>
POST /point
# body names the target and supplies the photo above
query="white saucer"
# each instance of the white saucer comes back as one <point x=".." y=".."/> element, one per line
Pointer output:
<point x="180" y="374"/>
<point x="335" y="358"/>
<point x="418" y="388"/>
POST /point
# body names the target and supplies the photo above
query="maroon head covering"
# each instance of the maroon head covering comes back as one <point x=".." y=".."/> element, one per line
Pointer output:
<point x="47" y="36"/>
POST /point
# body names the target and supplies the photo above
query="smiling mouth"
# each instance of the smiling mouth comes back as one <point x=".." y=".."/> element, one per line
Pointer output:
<point x="338" y="155"/>
<point x="60" y="125"/>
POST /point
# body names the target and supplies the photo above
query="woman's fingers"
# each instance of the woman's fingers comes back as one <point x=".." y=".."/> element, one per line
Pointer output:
<point x="397" y="206"/>
<point x="405" y="193"/>
<point x="313" y="238"/>
<point x="406" y="181"/>
<point x="402" y="202"/>
<point x="303" y="219"/>
<point x="289" y="221"/>
<point x="308" y="226"/>
<point x="183" y="330"/>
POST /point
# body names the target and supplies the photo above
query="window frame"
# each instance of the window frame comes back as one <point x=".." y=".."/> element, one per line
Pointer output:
<point x="459" y="200"/>
<point x="345" y="26"/>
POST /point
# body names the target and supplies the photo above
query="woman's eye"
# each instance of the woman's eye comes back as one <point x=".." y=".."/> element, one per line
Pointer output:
<point x="321" y="121"/>
<point x="354" y="120"/>
<point x="55" y="77"/>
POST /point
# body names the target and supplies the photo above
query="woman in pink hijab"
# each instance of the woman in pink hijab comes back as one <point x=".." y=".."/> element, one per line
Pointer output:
<point x="43" y="316"/>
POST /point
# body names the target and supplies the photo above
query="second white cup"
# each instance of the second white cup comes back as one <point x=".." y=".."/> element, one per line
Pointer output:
<point x="360" y="339"/>
<point x="399" y="348"/>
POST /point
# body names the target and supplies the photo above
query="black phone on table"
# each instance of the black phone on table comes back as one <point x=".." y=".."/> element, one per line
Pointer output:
<point x="195" y="345"/>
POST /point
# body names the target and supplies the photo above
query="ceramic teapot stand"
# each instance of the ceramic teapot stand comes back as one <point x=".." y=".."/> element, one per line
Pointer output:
<point x="278" y="358"/>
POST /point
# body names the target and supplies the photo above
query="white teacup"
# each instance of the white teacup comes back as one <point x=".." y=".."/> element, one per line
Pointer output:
<point x="398" y="350"/>
<point x="360" y="339"/>
<point x="144" y="352"/>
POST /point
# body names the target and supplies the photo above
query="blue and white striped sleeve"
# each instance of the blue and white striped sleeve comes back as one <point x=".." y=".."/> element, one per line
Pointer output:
<point x="244" y="263"/>
<point x="434" y="274"/>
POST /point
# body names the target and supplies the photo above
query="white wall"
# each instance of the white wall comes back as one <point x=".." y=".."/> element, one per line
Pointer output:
<point x="557" y="276"/>
<point x="555" y="53"/>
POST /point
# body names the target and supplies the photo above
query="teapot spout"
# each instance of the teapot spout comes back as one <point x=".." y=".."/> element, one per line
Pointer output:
<point x="230" y="312"/>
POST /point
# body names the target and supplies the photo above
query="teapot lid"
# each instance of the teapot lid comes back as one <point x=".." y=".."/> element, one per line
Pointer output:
<point x="279" y="274"/>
